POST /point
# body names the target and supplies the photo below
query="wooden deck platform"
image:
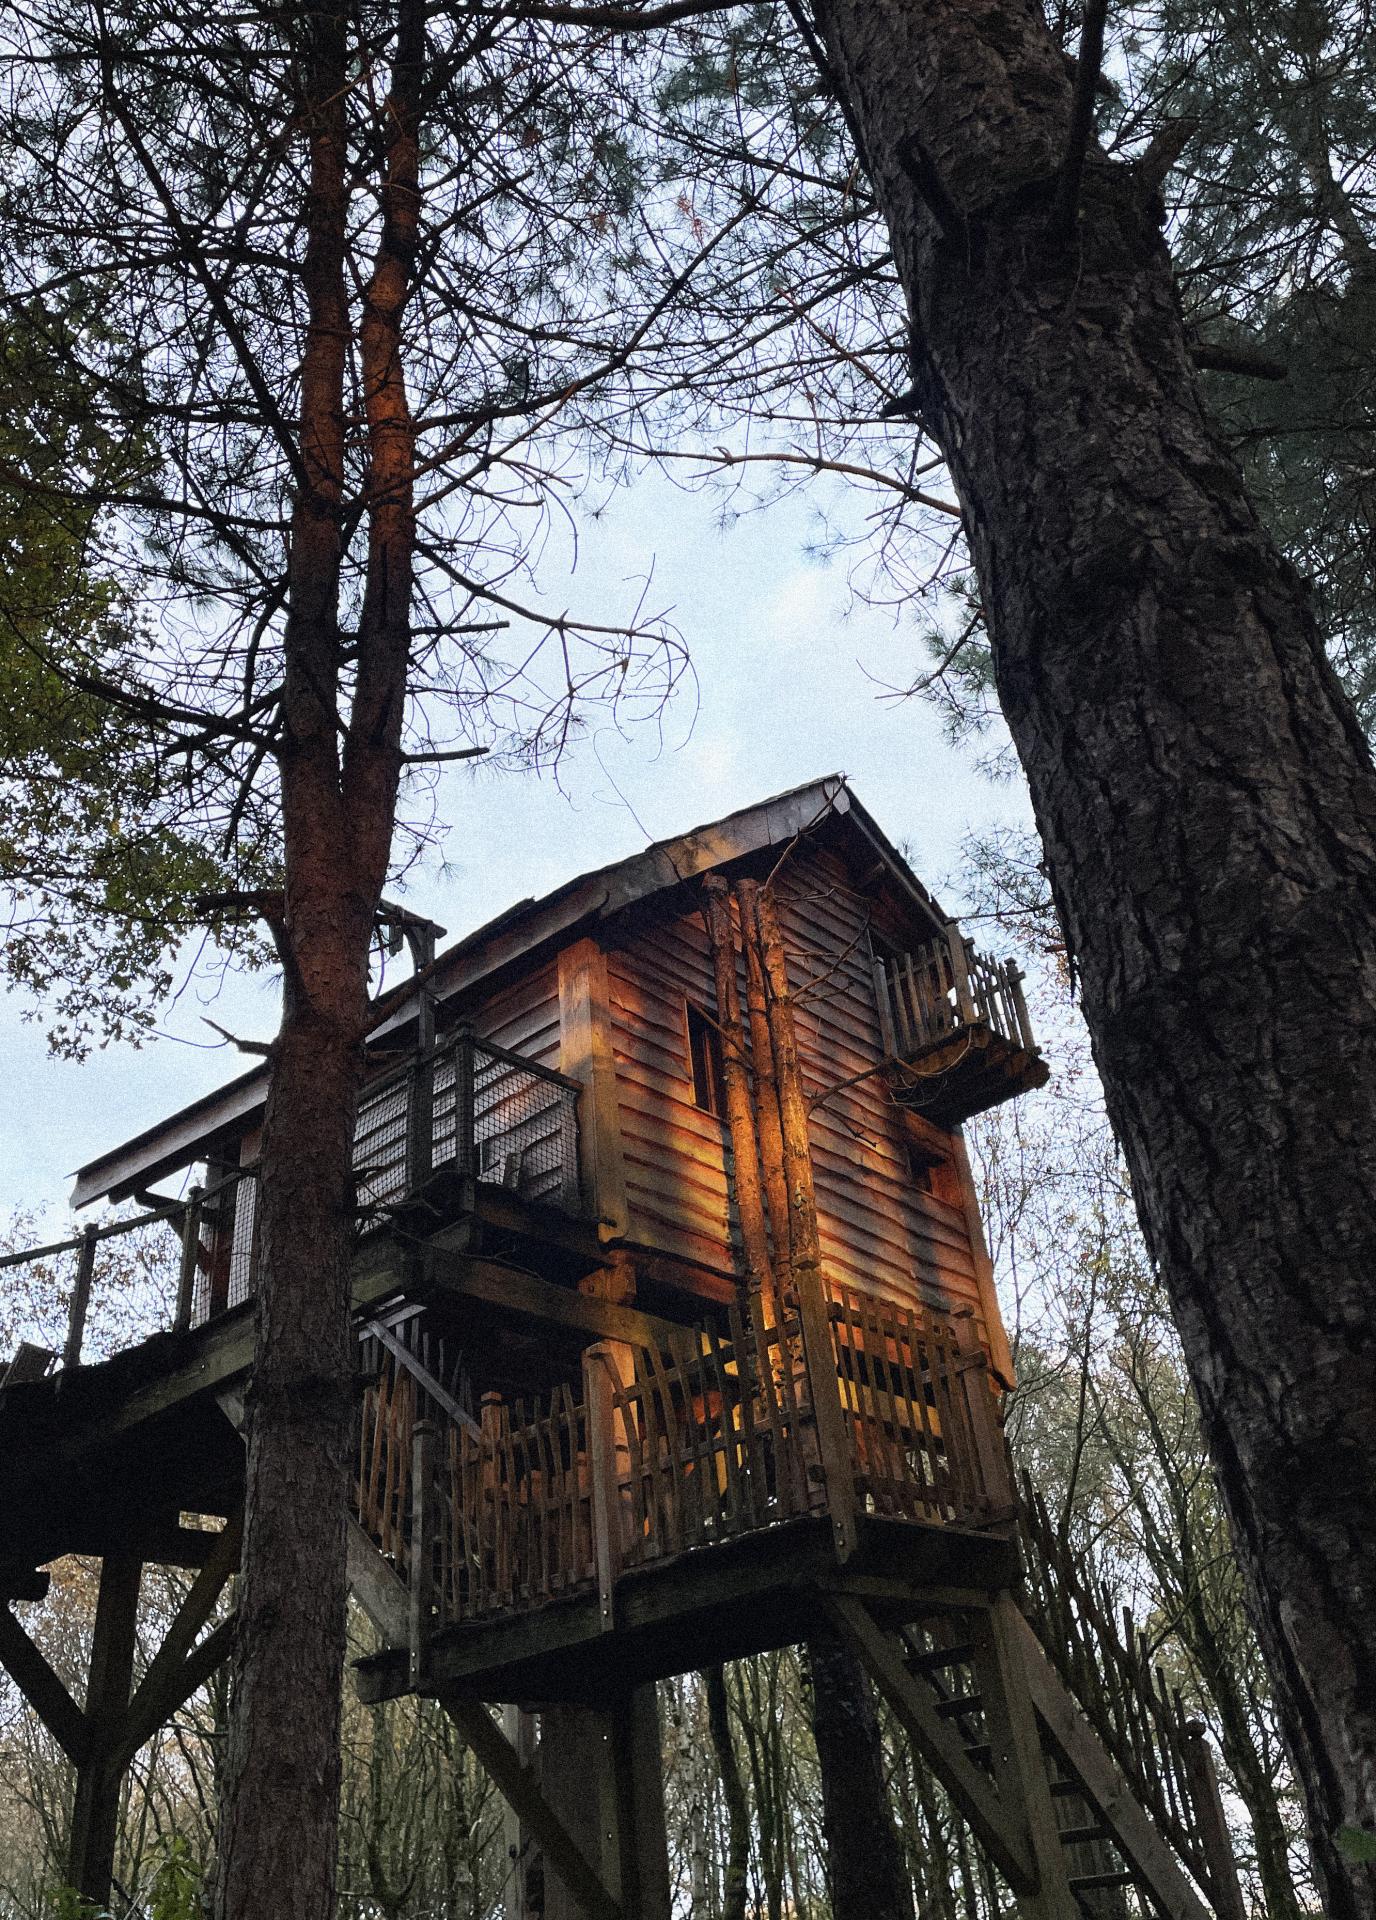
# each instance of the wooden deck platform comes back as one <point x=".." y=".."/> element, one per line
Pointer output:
<point x="691" y="1610"/>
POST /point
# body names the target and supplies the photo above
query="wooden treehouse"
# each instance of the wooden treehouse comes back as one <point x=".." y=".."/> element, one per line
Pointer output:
<point x="677" y="1341"/>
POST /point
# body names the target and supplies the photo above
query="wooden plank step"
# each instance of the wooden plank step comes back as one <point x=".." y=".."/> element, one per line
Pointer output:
<point x="1089" y="1882"/>
<point x="1078" y="1836"/>
<point x="937" y="1657"/>
<point x="959" y="1704"/>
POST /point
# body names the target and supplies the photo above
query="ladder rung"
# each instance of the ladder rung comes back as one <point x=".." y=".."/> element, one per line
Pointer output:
<point x="1088" y="1882"/>
<point x="1077" y="1836"/>
<point x="937" y="1657"/>
<point x="1063" y="1789"/>
<point x="960" y="1704"/>
<point x="980" y="1752"/>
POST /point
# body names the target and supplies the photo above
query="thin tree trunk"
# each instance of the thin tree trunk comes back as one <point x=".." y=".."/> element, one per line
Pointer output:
<point x="1205" y="798"/>
<point x="866" y="1871"/>
<point x="735" y="1882"/>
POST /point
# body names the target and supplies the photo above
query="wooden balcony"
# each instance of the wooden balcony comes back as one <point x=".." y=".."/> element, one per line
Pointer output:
<point x="467" y="1129"/>
<point x="664" y="1470"/>
<point x="955" y="1029"/>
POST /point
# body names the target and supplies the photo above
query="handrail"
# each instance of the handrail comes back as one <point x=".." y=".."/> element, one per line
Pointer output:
<point x="943" y="987"/>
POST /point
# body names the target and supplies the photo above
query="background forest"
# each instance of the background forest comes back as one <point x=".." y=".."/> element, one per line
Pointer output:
<point x="1273" y="227"/>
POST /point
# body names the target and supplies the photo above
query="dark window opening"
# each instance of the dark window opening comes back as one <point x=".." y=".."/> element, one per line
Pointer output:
<point x="704" y="1055"/>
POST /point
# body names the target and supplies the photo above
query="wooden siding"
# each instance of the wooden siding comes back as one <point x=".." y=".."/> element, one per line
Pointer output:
<point x="676" y="1155"/>
<point x="524" y="1016"/>
<point x="879" y="1230"/>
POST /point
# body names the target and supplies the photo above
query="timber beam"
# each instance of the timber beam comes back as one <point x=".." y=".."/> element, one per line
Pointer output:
<point x="1148" y="1855"/>
<point x="996" y="1826"/>
<point x="519" y="1785"/>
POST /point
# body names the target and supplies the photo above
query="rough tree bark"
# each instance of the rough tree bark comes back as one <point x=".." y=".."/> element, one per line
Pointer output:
<point x="279" y="1808"/>
<point x="866" y="1872"/>
<point x="1205" y="798"/>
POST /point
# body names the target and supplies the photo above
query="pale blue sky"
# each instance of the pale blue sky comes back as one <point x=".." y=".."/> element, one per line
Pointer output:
<point x="783" y="696"/>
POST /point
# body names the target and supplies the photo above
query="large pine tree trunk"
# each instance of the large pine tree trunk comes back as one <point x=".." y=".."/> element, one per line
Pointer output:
<point x="1206" y="802"/>
<point x="279" y="1813"/>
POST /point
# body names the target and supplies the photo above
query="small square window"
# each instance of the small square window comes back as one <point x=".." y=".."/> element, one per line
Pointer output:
<point x="704" y="1056"/>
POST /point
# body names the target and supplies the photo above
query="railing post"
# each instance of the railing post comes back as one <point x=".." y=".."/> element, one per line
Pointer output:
<point x="81" y="1298"/>
<point x="1013" y="973"/>
<point x="465" y="1153"/>
<point x="991" y="1455"/>
<point x="1212" y="1824"/>
<point x="570" y="1196"/>
<point x="885" y="1005"/>
<point x="422" y="1554"/>
<point x="598" y="1393"/>
<point x="191" y="1245"/>
<point x="960" y="973"/>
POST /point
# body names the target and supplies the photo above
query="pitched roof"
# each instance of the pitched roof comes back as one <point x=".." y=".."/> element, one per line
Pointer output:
<point x="570" y="909"/>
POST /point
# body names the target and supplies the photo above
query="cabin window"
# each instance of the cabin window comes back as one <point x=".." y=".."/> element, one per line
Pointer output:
<point x="704" y="1056"/>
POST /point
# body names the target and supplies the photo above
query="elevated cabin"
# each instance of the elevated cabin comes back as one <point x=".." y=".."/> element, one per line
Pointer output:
<point x="549" y="1167"/>
<point x="677" y="1341"/>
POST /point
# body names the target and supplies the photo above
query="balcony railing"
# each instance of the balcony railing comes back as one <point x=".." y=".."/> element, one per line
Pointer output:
<point x="709" y="1434"/>
<point x="926" y="996"/>
<point x="474" y="1110"/>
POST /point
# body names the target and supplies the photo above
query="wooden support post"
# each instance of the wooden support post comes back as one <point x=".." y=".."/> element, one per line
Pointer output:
<point x="95" y="1807"/>
<point x="745" y="1156"/>
<point x="1212" y="1823"/>
<point x="81" y="1298"/>
<point x="586" y="1055"/>
<point x="191" y="1247"/>
<point x="1013" y="974"/>
<point x="599" y="1386"/>
<point x="420" y="1121"/>
<point x="1019" y="1765"/>
<point x="422" y="1555"/>
<point x="991" y="1454"/>
<point x="575" y="1888"/>
<point x="819" y="1347"/>
<point x="522" y="1848"/>
<point x="633" y="1820"/>
<point x="602" y="1772"/>
<point x="960" y="974"/>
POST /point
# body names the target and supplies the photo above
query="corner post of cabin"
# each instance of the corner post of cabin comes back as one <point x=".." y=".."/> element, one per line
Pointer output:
<point x="635" y="1833"/>
<point x="522" y="1849"/>
<point x="81" y="1298"/>
<point x="95" y="1805"/>
<point x="1020" y="1773"/>
<point x="809" y="1282"/>
<point x="600" y="1376"/>
<point x="585" y="1055"/>
<point x="1212" y="1822"/>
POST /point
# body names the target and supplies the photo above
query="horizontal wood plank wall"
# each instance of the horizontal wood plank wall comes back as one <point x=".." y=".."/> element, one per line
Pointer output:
<point x="879" y="1230"/>
<point x="524" y="1016"/>
<point x="675" y="1154"/>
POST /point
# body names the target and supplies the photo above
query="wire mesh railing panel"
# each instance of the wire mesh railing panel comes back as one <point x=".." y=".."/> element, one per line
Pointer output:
<point x="524" y="1128"/>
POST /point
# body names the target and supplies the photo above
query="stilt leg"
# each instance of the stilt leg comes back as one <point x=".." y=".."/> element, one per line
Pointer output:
<point x="95" y="1808"/>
